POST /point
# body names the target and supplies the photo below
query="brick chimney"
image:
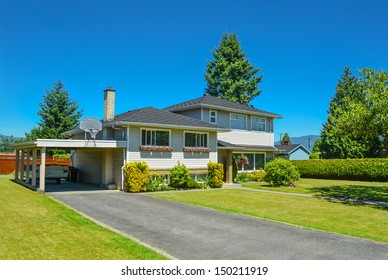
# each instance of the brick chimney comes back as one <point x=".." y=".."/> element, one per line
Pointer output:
<point x="109" y="104"/>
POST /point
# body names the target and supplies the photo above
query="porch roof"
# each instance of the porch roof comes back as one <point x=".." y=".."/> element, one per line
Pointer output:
<point x="243" y="147"/>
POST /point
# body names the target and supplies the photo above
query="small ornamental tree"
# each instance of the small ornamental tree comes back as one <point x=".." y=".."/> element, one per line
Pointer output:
<point x="215" y="174"/>
<point x="281" y="172"/>
<point x="136" y="176"/>
<point x="179" y="176"/>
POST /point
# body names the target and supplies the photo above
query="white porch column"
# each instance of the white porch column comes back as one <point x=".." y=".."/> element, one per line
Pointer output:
<point x="22" y="167"/>
<point x="42" y="170"/>
<point x="33" y="182"/>
<point x="17" y="165"/>
<point x="28" y="166"/>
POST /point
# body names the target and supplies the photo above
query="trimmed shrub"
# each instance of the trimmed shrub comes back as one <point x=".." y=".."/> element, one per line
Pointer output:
<point x="368" y="169"/>
<point x="257" y="176"/>
<point x="156" y="182"/>
<point x="215" y="174"/>
<point x="281" y="172"/>
<point x="313" y="156"/>
<point x="242" y="177"/>
<point x="179" y="176"/>
<point x="136" y="176"/>
<point x="192" y="184"/>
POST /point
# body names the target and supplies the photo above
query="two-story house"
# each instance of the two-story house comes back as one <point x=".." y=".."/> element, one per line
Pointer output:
<point x="251" y="131"/>
<point x="191" y="133"/>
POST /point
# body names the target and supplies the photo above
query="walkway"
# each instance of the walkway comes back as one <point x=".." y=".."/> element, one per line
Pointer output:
<point x="190" y="232"/>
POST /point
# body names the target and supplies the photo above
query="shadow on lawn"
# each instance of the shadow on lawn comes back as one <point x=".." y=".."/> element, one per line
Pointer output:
<point x="355" y="195"/>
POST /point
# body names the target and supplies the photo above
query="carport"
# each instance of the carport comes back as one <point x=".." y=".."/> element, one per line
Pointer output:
<point x="24" y="164"/>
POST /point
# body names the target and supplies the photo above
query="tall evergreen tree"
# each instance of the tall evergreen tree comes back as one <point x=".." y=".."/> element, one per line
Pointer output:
<point x="230" y="75"/>
<point x="58" y="113"/>
<point x="285" y="139"/>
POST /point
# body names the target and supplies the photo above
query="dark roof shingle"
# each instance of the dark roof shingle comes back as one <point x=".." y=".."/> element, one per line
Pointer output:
<point x="216" y="102"/>
<point x="153" y="116"/>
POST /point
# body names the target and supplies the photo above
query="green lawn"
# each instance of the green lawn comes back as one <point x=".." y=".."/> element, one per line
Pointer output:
<point x="332" y="188"/>
<point x="309" y="212"/>
<point x="32" y="226"/>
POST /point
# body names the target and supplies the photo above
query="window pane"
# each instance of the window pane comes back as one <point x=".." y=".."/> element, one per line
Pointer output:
<point x="238" y="121"/>
<point x="238" y="124"/>
<point x="189" y="139"/>
<point x="162" y="138"/>
<point x="250" y="164"/>
<point x="259" y="161"/>
<point x="143" y="137"/>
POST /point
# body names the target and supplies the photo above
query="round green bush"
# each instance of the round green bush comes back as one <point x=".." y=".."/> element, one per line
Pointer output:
<point x="281" y="172"/>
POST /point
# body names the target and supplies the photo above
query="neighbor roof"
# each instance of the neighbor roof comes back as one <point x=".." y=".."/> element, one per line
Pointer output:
<point x="289" y="149"/>
<point x="157" y="117"/>
<point x="212" y="102"/>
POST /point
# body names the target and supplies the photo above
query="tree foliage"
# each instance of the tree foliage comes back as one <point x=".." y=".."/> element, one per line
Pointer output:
<point x="230" y="75"/>
<point x="6" y="142"/>
<point x="58" y="113"/>
<point x="357" y="122"/>
<point x="285" y="139"/>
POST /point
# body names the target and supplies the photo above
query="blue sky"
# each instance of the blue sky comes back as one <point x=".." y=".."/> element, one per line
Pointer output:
<point x="154" y="53"/>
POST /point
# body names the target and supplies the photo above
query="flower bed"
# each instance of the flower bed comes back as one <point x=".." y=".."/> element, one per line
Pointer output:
<point x="197" y="149"/>
<point x="157" y="148"/>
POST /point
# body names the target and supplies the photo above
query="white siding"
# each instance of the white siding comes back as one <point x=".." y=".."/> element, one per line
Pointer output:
<point x="247" y="137"/>
<point x="89" y="164"/>
<point x="166" y="160"/>
<point x="118" y="162"/>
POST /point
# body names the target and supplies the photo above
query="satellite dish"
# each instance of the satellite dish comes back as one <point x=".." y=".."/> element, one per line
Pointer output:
<point x="91" y="125"/>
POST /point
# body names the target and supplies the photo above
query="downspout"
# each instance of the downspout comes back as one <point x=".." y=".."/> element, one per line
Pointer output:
<point x="125" y="156"/>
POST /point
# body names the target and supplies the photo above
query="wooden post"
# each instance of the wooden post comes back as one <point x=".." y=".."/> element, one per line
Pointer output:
<point x="28" y="166"/>
<point x="33" y="182"/>
<point x="17" y="165"/>
<point x="229" y="167"/>
<point x="22" y="165"/>
<point x="42" y="170"/>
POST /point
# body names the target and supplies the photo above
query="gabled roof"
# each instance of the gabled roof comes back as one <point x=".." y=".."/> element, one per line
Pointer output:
<point x="227" y="145"/>
<point x="289" y="149"/>
<point x="212" y="102"/>
<point x="157" y="117"/>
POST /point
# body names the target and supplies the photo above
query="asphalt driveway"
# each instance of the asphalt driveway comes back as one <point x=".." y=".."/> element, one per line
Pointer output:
<point x="190" y="232"/>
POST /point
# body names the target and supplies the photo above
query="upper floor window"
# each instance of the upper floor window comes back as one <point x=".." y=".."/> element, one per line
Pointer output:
<point x="238" y="121"/>
<point x="213" y="116"/>
<point x="155" y="137"/>
<point x="193" y="139"/>
<point x="258" y="124"/>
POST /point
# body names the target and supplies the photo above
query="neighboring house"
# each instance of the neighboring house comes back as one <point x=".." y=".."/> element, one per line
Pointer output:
<point x="251" y="130"/>
<point x="191" y="133"/>
<point x="293" y="151"/>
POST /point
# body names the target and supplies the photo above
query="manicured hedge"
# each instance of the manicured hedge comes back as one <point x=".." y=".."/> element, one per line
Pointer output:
<point x="344" y="169"/>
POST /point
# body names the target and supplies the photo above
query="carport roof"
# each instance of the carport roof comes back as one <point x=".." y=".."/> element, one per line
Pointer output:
<point x="67" y="143"/>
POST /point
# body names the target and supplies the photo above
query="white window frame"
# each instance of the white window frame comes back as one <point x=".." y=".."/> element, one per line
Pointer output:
<point x="196" y="132"/>
<point x="265" y="123"/>
<point x="246" y="121"/>
<point x="215" y="116"/>
<point x="254" y="160"/>
<point x="155" y="129"/>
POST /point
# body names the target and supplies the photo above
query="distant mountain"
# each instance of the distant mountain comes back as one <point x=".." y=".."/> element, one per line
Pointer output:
<point x="304" y="140"/>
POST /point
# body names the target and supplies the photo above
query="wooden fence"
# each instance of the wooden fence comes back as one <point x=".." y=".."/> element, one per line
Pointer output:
<point x="7" y="162"/>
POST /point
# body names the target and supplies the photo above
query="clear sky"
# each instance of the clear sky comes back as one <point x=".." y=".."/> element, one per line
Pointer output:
<point x="154" y="53"/>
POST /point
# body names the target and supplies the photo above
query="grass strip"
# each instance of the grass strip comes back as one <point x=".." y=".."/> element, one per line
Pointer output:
<point x="34" y="227"/>
<point x="368" y="222"/>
